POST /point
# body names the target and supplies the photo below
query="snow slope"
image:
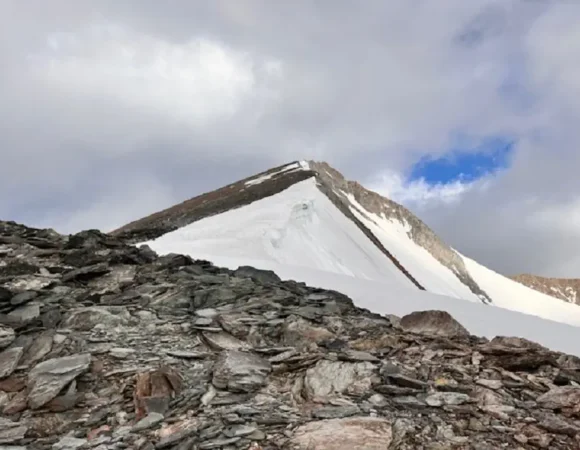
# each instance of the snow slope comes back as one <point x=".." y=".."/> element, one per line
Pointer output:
<point x="391" y="298"/>
<point x="512" y="295"/>
<point x="429" y="272"/>
<point x="300" y="234"/>
<point x="299" y="226"/>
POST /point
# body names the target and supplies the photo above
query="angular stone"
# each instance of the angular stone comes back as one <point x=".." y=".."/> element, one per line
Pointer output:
<point x="224" y="341"/>
<point x="446" y="398"/>
<point x="432" y="323"/>
<point x="336" y="412"/>
<point x="218" y="443"/>
<point x="212" y="297"/>
<point x="88" y="239"/>
<point x="64" y="402"/>
<point x="48" y="378"/>
<point x="298" y="331"/>
<point x="86" y="319"/>
<point x="11" y="432"/>
<point x="51" y="318"/>
<point x="240" y="430"/>
<point x="121" y="352"/>
<point x="69" y="443"/>
<point x="361" y="433"/>
<point x="491" y="384"/>
<point x="148" y="421"/>
<point x="4" y="399"/>
<point x="500" y="411"/>
<point x="259" y="275"/>
<point x="23" y="297"/>
<point x="177" y="432"/>
<point x="330" y="378"/>
<point x="239" y="371"/>
<point x="118" y="278"/>
<point x="188" y="355"/>
<point x="7" y="336"/>
<point x="382" y="342"/>
<point x="40" y="347"/>
<point x="16" y="405"/>
<point x="86" y="273"/>
<point x="154" y="390"/>
<point x="564" y="397"/>
<point x="26" y="313"/>
<point x="393" y="374"/>
<point x="12" y="384"/>
<point x="526" y="362"/>
<point x="208" y="313"/>
<point x="487" y="397"/>
<point x="356" y="356"/>
<point x="558" y="425"/>
<point x="517" y="342"/>
<point x="9" y="361"/>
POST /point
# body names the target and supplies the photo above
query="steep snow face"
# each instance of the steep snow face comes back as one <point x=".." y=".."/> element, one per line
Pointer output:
<point x="429" y="272"/>
<point x="301" y="232"/>
<point x="299" y="226"/>
<point x="510" y="294"/>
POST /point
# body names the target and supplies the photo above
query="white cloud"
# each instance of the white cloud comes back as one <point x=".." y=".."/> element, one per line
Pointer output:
<point x="197" y="83"/>
<point x="419" y="192"/>
<point x="188" y="96"/>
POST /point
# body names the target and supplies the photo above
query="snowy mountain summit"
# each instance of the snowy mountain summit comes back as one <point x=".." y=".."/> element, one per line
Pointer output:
<point x="305" y="221"/>
<point x="307" y="214"/>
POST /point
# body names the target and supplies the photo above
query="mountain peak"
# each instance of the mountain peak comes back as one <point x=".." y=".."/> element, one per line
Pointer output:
<point x="356" y="202"/>
<point x="306" y="219"/>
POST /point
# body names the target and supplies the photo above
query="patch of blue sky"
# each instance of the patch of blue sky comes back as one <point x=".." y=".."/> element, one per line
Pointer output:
<point x="465" y="165"/>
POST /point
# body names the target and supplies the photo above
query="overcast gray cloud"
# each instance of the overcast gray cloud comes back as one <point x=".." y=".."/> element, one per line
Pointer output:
<point x="114" y="109"/>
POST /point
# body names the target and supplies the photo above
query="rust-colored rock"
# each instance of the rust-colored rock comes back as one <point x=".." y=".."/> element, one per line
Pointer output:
<point x="94" y="434"/>
<point x="154" y="389"/>
<point x="12" y="384"/>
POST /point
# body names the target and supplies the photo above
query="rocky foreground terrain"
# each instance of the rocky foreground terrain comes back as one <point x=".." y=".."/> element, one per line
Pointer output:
<point x="107" y="346"/>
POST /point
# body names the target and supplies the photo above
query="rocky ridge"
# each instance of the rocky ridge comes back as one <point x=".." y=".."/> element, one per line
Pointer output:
<point x="107" y="346"/>
<point x="567" y="289"/>
<point x="381" y="206"/>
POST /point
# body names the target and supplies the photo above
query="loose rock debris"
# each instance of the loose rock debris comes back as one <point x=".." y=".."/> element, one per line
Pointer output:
<point x="107" y="346"/>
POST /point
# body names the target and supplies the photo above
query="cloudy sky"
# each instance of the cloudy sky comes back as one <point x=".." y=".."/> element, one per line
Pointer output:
<point x="465" y="111"/>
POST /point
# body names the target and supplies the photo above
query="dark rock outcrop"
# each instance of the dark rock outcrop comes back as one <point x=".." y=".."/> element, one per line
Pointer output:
<point x="434" y="323"/>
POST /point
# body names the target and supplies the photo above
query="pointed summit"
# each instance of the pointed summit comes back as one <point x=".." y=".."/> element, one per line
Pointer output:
<point x="307" y="216"/>
<point x="355" y="203"/>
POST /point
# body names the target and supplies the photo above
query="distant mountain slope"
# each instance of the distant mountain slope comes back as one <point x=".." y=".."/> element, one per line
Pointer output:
<point x="307" y="215"/>
<point x="567" y="289"/>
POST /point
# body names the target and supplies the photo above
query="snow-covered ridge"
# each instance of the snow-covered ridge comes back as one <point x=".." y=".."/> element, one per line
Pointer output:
<point x="233" y="195"/>
<point x="372" y="208"/>
<point x="307" y="216"/>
